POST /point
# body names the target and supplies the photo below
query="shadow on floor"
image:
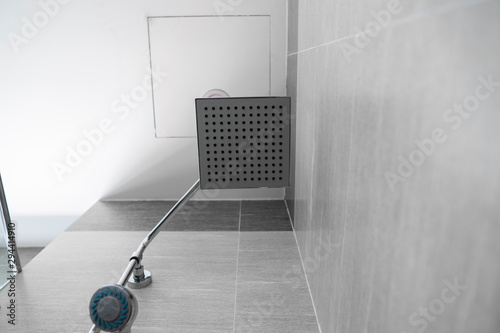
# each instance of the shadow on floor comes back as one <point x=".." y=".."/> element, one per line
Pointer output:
<point x="28" y="253"/>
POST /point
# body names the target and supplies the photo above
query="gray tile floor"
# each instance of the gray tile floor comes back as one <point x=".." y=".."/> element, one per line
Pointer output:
<point x="211" y="279"/>
<point x="28" y="253"/>
<point x="267" y="215"/>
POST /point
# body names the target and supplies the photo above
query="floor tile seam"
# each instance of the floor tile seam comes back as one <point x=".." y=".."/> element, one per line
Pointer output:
<point x="267" y="215"/>
<point x="303" y="269"/>
<point x="268" y="282"/>
<point x="237" y="266"/>
<point x="146" y="231"/>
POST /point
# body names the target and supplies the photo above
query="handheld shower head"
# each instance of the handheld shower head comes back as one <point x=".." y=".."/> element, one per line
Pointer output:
<point x="113" y="308"/>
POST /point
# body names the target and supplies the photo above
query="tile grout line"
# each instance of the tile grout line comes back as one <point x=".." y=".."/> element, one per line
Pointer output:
<point x="237" y="266"/>
<point x="321" y="45"/>
<point x="303" y="268"/>
<point x="440" y="10"/>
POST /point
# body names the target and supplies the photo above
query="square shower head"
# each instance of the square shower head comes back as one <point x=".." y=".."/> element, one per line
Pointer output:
<point x="243" y="142"/>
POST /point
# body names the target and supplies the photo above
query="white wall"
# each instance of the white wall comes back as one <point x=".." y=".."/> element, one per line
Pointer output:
<point x="39" y="231"/>
<point x="70" y="77"/>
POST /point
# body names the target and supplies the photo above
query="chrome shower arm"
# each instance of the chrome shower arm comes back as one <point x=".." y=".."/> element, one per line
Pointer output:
<point x="141" y="280"/>
<point x="179" y="204"/>
<point x="136" y="259"/>
<point x="137" y="255"/>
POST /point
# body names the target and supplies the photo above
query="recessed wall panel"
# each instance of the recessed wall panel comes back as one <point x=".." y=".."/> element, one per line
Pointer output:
<point x="201" y="53"/>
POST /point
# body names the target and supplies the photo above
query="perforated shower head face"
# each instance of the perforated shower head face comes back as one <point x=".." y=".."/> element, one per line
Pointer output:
<point x="243" y="142"/>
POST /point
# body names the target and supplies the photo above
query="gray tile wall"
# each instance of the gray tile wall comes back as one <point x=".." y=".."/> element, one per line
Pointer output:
<point x="398" y="246"/>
